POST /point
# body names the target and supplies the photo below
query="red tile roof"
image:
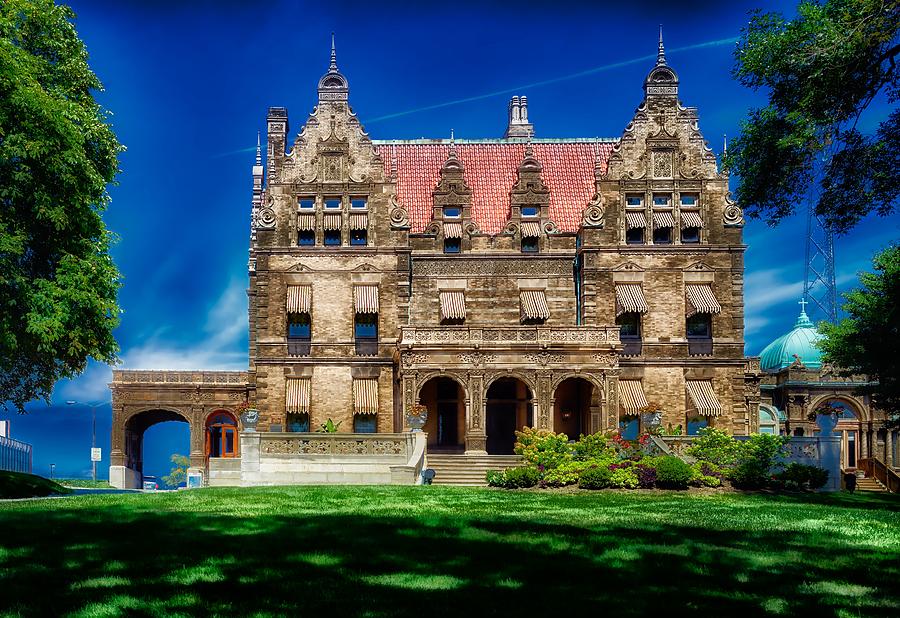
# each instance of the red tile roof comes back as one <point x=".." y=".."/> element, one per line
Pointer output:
<point x="491" y="173"/>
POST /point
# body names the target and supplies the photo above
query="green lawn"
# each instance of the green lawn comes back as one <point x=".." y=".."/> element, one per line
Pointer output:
<point x="434" y="551"/>
<point x="14" y="485"/>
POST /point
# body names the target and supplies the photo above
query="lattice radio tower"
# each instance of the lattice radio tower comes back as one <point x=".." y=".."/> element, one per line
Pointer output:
<point x="818" y="278"/>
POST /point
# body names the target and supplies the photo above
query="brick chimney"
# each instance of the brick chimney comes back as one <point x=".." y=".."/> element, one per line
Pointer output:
<point x="518" y="119"/>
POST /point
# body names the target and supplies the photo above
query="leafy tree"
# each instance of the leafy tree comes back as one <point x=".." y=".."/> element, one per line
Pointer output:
<point x="865" y="342"/>
<point x="178" y="475"/>
<point x="58" y="284"/>
<point x="821" y="70"/>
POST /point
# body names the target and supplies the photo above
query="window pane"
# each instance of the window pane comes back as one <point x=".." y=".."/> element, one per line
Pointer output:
<point x="699" y="325"/>
<point x="298" y="422"/>
<point x="358" y="202"/>
<point x="366" y="326"/>
<point x="529" y="211"/>
<point x="333" y="202"/>
<point x="307" y="202"/>
<point x="695" y="425"/>
<point x="332" y="238"/>
<point x="364" y="423"/>
<point x="634" y="200"/>
<point x="629" y="325"/>
<point x="629" y="427"/>
<point x="358" y="237"/>
<point x="688" y="200"/>
<point x="451" y="245"/>
<point x="661" y="200"/>
<point x="451" y="211"/>
<point x="662" y="236"/>
<point x="229" y="441"/>
<point x="306" y="238"/>
<point x="299" y="325"/>
<point x="530" y="244"/>
<point x="690" y="235"/>
<point x="634" y="236"/>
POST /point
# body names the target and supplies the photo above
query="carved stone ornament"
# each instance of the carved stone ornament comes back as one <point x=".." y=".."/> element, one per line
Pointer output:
<point x="593" y="216"/>
<point x="542" y="358"/>
<point x="250" y="418"/>
<point x="414" y="358"/>
<point x="733" y="215"/>
<point x="398" y="216"/>
<point x="607" y="360"/>
<point x="477" y="358"/>
<point x="265" y="218"/>
<point x="662" y="164"/>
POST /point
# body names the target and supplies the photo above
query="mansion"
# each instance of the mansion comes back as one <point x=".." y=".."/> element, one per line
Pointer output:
<point x="576" y="285"/>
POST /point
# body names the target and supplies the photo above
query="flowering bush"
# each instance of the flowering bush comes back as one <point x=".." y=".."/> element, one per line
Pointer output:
<point x="594" y="446"/>
<point x="543" y="449"/>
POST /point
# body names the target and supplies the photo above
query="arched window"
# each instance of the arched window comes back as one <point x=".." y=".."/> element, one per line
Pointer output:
<point x="768" y="420"/>
<point x="221" y="435"/>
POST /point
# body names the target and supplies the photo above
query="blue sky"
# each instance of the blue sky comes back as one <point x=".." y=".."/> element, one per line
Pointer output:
<point x="189" y="84"/>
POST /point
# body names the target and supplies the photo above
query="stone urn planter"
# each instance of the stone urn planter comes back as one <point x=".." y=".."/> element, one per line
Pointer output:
<point x="249" y="419"/>
<point x="416" y="417"/>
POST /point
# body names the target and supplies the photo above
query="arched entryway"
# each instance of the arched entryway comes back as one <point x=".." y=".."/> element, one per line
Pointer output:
<point x="846" y="421"/>
<point x="446" y="424"/>
<point x="221" y="434"/>
<point x="135" y="429"/>
<point x="572" y="407"/>
<point x="508" y="408"/>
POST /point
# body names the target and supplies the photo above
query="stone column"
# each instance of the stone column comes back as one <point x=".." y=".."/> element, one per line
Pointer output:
<point x="476" y="438"/>
<point x="543" y="409"/>
<point x="610" y="416"/>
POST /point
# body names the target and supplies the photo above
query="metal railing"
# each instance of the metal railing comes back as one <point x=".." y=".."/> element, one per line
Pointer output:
<point x="15" y="456"/>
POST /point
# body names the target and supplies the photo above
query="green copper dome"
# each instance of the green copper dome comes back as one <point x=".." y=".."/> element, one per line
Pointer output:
<point x="799" y="343"/>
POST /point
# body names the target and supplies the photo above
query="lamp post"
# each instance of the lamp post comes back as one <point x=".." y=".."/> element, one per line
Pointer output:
<point x="93" y="407"/>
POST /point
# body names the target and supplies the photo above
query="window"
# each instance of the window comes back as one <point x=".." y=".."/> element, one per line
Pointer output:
<point x="662" y="236"/>
<point x="688" y="200"/>
<point x="364" y="423"/>
<point x="365" y="330"/>
<point x="690" y="235"/>
<point x="358" y="202"/>
<point x="629" y="325"/>
<point x="529" y="211"/>
<point x="699" y="326"/>
<point x="695" y="424"/>
<point x="452" y="245"/>
<point x="298" y="422"/>
<point x="634" y="236"/>
<point x="307" y="203"/>
<point x="768" y="422"/>
<point x="299" y="334"/>
<point x="359" y="238"/>
<point x="306" y="238"/>
<point x="332" y="238"/>
<point x="629" y="427"/>
<point x="530" y="244"/>
<point x="452" y="212"/>
<point x="662" y="200"/>
<point x="332" y="202"/>
<point x="634" y="200"/>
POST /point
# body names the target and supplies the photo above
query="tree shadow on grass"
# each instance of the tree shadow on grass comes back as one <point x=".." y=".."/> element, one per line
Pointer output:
<point x="121" y="561"/>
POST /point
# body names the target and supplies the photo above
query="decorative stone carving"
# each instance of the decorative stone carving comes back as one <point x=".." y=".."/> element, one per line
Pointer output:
<point x="593" y="216"/>
<point x="662" y="163"/>
<point x="607" y="360"/>
<point x="399" y="217"/>
<point x="414" y="358"/>
<point x="733" y="215"/>
<point x="265" y="218"/>
<point x="543" y="358"/>
<point x="477" y="358"/>
<point x="492" y="268"/>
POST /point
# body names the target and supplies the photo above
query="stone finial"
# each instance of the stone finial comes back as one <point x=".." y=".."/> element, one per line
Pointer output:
<point x="661" y="52"/>
<point x="518" y="125"/>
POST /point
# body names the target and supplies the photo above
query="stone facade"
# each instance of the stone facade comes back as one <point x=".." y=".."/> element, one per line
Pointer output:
<point x="488" y="306"/>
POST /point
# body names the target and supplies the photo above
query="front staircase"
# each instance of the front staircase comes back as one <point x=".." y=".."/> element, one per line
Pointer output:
<point x="469" y="470"/>
<point x="868" y="483"/>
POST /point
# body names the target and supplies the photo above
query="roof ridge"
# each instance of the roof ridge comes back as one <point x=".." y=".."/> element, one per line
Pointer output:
<point x="510" y="141"/>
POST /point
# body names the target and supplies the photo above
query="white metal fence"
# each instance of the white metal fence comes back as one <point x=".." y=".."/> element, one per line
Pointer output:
<point x="15" y="456"/>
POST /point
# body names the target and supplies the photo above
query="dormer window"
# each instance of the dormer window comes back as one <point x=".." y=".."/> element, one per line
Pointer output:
<point x="529" y="211"/>
<point x="333" y="202"/>
<point x="306" y="203"/>
<point x="358" y="202"/>
<point x="452" y="212"/>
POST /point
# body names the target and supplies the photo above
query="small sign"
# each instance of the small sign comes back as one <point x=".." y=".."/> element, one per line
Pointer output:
<point x="95" y="454"/>
<point x="194" y="480"/>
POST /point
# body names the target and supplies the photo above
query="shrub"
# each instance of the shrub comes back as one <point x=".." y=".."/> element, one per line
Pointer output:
<point x="595" y="477"/>
<point x="800" y="477"/>
<point x="646" y="474"/>
<point x="715" y="446"/>
<point x="513" y="478"/>
<point x="569" y="472"/>
<point x="672" y="473"/>
<point x="706" y="474"/>
<point x="757" y="457"/>
<point x="593" y="446"/>
<point x="625" y="477"/>
<point x="496" y="478"/>
<point x="543" y="449"/>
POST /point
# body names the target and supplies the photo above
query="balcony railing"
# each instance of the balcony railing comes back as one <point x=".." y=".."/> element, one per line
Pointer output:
<point x="179" y="377"/>
<point x="505" y="335"/>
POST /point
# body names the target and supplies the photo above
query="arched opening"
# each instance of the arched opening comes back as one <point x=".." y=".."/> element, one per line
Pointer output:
<point x="768" y="420"/>
<point x="572" y="407"/>
<point x="508" y="408"/>
<point x="446" y="423"/>
<point x="839" y="417"/>
<point x="221" y="435"/>
<point x="148" y="451"/>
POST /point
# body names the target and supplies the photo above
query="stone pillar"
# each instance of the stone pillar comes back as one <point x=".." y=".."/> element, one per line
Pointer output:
<point x="543" y="408"/>
<point x="610" y="416"/>
<point x="250" y="441"/>
<point x="476" y="438"/>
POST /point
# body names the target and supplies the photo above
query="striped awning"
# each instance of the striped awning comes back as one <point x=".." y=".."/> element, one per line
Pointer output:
<point x="663" y="219"/>
<point x="332" y="222"/>
<point x="633" y="398"/>
<point x="296" y="398"/>
<point x="365" y="298"/>
<point x="359" y="222"/>
<point x="630" y="299"/>
<point x="691" y="219"/>
<point x="306" y="223"/>
<point x="453" y="305"/>
<point x="534" y="305"/>
<point x="703" y="397"/>
<point x="634" y="220"/>
<point x="701" y="299"/>
<point x="530" y="229"/>
<point x="365" y="396"/>
<point x="299" y="299"/>
<point x="453" y="230"/>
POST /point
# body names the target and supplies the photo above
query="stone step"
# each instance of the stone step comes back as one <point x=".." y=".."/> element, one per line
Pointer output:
<point x="468" y="470"/>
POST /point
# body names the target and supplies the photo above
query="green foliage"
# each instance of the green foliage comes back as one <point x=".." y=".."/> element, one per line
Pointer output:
<point x="568" y="473"/>
<point x="17" y="485"/>
<point x="624" y="478"/>
<point x="672" y="472"/>
<point x="801" y="477"/>
<point x="821" y="70"/>
<point x="865" y="342"/>
<point x="543" y="449"/>
<point x="58" y="284"/>
<point x="514" y="478"/>
<point x="178" y="475"/>
<point x="329" y="426"/>
<point x="758" y="457"/>
<point x="706" y="474"/>
<point x="715" y="446"/>
<point x="593" y="446"/>
<point x="596" y="477"/>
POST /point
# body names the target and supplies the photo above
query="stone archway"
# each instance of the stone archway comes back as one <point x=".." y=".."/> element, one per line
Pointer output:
<point x="126" y="469"/>
<point x="445" y="398"/>
<point x="573" y="401"/>
<point x="846" y="421"/>
<point x="509" y="406"/>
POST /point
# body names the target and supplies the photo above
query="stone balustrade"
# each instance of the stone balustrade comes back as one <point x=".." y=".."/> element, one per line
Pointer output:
<point x="473" y="336"/>
<point x="149" y="376"/>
